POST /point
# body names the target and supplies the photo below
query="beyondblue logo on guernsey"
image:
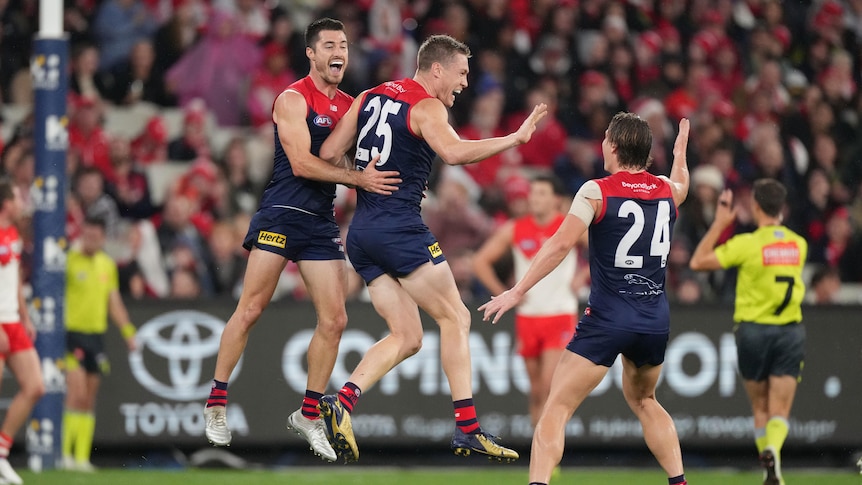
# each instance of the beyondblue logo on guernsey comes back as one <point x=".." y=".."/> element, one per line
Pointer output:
<point x="323" y="121"/>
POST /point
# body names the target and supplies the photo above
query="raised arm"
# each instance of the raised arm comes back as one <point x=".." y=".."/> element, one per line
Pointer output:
<point x="491" y="252"/>
<point x="430" y="120"/>
<point x="679" y="179"/>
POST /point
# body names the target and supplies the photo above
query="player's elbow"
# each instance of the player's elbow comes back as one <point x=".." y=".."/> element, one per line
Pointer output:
<point x="451" y="156"/>
<point x="329" y="154"/>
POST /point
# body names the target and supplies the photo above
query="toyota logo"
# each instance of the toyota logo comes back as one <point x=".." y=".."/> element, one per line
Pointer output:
<point x="172" y="350"/>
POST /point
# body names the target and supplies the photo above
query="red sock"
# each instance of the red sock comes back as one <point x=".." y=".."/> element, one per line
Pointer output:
<point x="309" y="404"/>
<point x="465" y="417"/>
<point x="5" y="444"/>
<point x="218" y="394"/>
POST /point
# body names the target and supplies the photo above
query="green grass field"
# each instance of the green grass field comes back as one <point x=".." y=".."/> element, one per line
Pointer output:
<point x="396" y="476"/>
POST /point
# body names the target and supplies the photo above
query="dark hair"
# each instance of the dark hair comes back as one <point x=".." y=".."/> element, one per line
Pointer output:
<point x="633" y="139"/>
<point x="7" y="191"/>
<point x="439" y="48"/>
<point x="822" y="273"/>
<point x="770" y="195"/>
<point x="552" y="180"/>
<point x="312" y="33"/>
<point x="99" y="221"/>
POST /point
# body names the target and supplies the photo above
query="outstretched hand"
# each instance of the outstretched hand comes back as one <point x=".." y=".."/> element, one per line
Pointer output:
<point x="372" y="180"/>
<point x="525" y="132"/>
<point x="499" y="305"/>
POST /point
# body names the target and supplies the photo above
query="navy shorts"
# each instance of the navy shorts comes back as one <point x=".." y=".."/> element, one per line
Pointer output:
<point x="294" y="235"/>
<point x="397" y="253"/>
<point x="601" y="345"/>
<point x="769" y="350"/>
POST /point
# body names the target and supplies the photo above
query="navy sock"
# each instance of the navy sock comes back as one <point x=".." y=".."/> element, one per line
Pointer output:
<point x="680" y="480"/>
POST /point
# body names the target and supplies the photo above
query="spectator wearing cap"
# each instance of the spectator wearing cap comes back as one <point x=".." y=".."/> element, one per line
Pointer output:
<point x="578" y="163"/>
<point x="87" y="137"/>
<point x="151" y="145"/>
<point x="726" y="73"/>
<point x="647" y="50"/>
<point x="193" y="142"/>
<point x="268" y="80"/>
<point x="596" y="101"/>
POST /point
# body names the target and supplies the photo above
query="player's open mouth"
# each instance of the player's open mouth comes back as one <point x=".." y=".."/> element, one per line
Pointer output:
<point x="335" y="67"/>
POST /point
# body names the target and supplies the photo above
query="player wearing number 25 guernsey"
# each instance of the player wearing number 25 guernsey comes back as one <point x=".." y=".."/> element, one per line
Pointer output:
<point x="769" y="336"/>
<point x="405" y="124"/>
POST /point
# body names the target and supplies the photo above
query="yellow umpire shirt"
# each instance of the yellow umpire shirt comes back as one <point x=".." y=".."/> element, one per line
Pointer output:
<point x="89" y="283"/>
<point x="769" y="286"/>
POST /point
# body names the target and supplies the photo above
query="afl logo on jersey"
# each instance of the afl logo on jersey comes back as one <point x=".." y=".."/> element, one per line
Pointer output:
<point x="323" y="121"/>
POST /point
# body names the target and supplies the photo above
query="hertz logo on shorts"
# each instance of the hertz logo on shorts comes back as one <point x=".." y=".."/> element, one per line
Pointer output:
<point x="271" y="239"/>
<point x="434" y="249"/>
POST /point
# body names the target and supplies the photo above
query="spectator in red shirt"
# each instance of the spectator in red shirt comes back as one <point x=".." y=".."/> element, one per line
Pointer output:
<point x="549" y="139"/>
<point x="270" y="79"/>
<point x="88" y="138"/>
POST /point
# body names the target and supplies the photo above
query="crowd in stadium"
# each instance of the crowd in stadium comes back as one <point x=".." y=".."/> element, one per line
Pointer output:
<point x="771" y="88"/>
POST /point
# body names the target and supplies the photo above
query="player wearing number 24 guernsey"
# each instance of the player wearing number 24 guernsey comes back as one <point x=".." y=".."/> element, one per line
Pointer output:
<point x="770" y="338"/>
<point x="630" y="216"/>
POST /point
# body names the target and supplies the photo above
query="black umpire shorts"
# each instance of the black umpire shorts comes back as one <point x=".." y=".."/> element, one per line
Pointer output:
<point x="88" y="351"/>
<point x="769" y="350"/>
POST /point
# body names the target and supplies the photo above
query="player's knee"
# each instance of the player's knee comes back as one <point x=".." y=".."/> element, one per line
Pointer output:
<point x="411" y="344"/>
<point x="33" y="391"/>
<point x="334" y="325"/>
<point x="249" y="314"/>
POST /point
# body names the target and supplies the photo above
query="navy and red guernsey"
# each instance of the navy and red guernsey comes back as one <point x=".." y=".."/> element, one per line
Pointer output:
<point x="287" y="191"/>
<point x="631" y="237"/>
<point x="384" y="128"/>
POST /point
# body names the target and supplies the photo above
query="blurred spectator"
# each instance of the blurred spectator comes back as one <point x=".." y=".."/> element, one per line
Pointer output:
<point x="283" y="31"/>
<point x="16" y="29"/>
<point x="242" y="195"/>
<point x="182" y="245"/>
<point x="843" y="248"/>
<point x="178" y="33"/>
<point x="130" y="188"/>
<point x="185" y="285"/>
<point x="454" y="217"/>
<point x="117" y="26"/>
<point x="85" y="79"/>
<point x="216" y="69"/>
<point x="485" y="123"/>
<point x="151" y="146"/>
<point x="549" y="139"/>
<point x="95" y="202"/>
<point x="578" y="163"/>
<point x="268" y="80"/>
<point x="193" y="142"/>
<point x="825" y="286"/>
<point x="87" y="137"/>
<point x="251" y="16"/>
<point x="228" y="260"/>
<point x="137" y="79"/>
<point x="200" y="186"/>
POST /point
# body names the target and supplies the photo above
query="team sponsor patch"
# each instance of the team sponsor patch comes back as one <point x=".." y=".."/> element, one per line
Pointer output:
<point x="271" y="239"/>
<point x="434" y="249"/>
<point x="781" y="254"/>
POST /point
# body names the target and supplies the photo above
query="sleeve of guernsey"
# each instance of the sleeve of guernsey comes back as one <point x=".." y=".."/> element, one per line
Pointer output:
<point x="735" y="251"/>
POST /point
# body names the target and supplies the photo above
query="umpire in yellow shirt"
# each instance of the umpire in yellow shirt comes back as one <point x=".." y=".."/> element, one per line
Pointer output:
<point x="92" y="293"/>
<point x="769" y="336"/>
